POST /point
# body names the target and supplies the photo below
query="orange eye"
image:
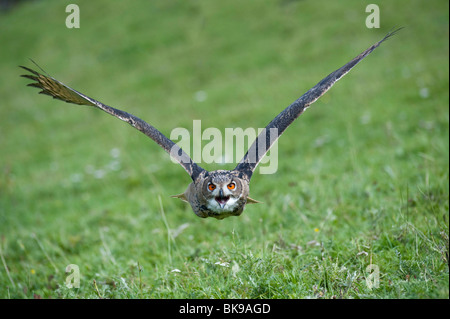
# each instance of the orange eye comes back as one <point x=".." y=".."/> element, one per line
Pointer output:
<point x="211" y="187"/>
<point x="231" y="186"/>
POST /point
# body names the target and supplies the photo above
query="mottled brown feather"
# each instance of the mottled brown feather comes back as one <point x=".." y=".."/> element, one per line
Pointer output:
<point x="281" y="122"/>
<point x="58" y="90"/>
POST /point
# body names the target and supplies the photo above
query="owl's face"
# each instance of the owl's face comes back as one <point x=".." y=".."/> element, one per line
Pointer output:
<point x="218" y="194"/>
<point x="224" y="194"/>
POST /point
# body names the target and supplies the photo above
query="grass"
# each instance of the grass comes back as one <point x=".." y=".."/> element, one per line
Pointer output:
<point x="362" y="176"/>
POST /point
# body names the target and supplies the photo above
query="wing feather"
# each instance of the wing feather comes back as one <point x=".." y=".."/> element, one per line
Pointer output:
<point x="281" y="122"/>
<point x="58" y="90"/>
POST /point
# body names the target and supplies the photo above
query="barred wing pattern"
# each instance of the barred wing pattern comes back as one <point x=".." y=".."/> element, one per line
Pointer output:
<point x="281" y="122"/>
<point x="58" y="90"/>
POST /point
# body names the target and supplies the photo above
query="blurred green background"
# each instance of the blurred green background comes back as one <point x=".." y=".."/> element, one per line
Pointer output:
<point x="362" y="175"/>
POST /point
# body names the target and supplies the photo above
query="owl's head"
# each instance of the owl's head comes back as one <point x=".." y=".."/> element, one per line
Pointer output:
<point x="218" y="194"/>
<point x="224" y="192"/>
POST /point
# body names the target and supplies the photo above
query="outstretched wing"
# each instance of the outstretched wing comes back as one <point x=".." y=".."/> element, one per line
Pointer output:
<point x="279" y="124"/>
<point x="60" y="91"/>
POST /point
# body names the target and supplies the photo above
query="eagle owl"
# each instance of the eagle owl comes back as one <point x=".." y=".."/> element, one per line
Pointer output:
<point x="220" y="193"/>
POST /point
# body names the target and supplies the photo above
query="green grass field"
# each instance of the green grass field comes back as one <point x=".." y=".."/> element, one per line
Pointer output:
<point x="363" y="175"/>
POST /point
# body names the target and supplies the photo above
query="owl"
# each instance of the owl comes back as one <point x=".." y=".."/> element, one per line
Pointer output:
<point x="220" y="193"/>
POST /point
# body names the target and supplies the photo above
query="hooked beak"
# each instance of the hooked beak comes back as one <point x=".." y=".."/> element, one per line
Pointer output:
<point x="221" y="199"/>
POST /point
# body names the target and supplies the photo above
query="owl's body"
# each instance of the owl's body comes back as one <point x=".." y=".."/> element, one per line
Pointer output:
<point x="220" y="193"/>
